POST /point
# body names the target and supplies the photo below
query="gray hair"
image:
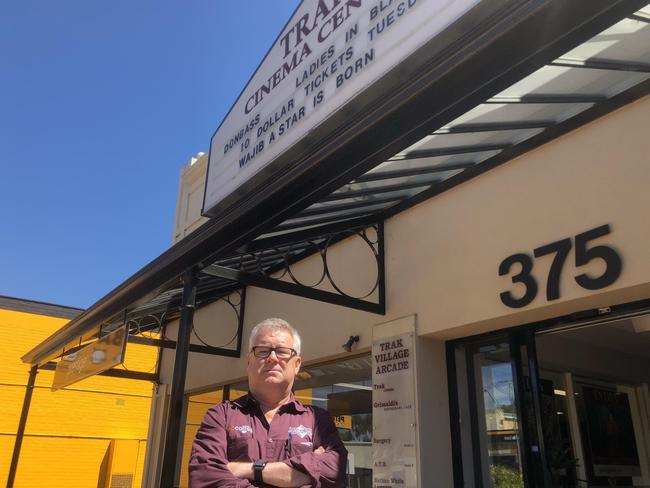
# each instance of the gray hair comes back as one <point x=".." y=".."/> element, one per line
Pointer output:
<point x="274" y="325"/>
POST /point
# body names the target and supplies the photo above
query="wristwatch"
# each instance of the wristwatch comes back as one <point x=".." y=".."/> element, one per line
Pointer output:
<point x="258" y="467"/>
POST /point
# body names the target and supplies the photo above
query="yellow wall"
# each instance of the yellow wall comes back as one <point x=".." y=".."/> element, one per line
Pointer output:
<point x="69" y="431"/>
<point x="196" y="408"/>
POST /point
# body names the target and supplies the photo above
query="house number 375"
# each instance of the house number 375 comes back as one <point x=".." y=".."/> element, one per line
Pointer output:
<point x="520" y="265"/>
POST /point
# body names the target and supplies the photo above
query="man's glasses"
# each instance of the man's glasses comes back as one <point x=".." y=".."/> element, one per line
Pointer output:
<point x="280" y="352"/>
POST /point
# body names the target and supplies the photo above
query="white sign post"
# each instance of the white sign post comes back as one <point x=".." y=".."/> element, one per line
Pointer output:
<point x="394" y="406"/>
<point x="329" y="52"/>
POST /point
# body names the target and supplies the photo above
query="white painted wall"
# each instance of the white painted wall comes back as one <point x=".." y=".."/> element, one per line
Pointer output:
<point x="444" y="254"/>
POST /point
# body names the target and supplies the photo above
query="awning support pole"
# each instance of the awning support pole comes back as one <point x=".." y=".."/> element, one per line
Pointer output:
<point x="171" y="451"/>
<point x="21" y="425"/>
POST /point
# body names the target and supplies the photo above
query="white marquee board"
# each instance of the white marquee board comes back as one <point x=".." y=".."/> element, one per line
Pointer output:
<point x="329" y="52"/>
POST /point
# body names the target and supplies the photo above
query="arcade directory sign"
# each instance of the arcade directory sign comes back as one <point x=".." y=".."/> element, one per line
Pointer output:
<point x="394" y="406"/>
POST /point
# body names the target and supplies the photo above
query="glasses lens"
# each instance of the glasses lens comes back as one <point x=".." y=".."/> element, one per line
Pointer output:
<point x="283" y="352"/>
<point x="265" y="352"/>
<point x="261" y="351"/>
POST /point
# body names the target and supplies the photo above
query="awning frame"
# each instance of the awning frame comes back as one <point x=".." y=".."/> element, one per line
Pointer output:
<point x="510" y="44"/>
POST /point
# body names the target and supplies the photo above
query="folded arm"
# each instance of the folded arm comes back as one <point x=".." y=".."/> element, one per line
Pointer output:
<point x="276" y="474"/>
<point x="326" y="466"/>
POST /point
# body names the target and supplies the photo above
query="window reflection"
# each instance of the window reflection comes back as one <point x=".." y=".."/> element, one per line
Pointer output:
<point x="500" y="414"/>
<point x="489" y="424"/>
<point x="501" y="431"/>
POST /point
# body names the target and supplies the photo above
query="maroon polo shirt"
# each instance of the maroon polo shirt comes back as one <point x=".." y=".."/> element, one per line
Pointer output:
<point x="238" y="431"/>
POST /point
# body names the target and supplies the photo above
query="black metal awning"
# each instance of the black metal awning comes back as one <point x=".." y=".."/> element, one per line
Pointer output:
<point x="509" y="87"/>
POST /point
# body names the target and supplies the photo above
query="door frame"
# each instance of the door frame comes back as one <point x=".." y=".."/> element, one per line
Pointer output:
<point x="521" y="337"/>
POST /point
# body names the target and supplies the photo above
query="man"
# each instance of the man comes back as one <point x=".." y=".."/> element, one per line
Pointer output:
<point x="267" y="437"/>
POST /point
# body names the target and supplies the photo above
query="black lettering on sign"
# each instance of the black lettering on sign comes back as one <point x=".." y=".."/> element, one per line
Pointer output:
<point x="359" y="63"/>
<point x="389" y="15"/>
<point x="584" y="254"/>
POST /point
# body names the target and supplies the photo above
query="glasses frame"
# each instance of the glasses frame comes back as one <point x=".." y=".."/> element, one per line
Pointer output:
<point x="274" y="349"/>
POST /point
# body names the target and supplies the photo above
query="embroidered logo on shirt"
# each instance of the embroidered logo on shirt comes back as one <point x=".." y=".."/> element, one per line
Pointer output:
<point x="301" y="431"/>
<point x="244" y="429"/>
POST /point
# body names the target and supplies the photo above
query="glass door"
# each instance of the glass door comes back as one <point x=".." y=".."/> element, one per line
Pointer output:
<point x="553" y="407"/>
<point x="498" y="421"/>
<point x="494" y="399"/>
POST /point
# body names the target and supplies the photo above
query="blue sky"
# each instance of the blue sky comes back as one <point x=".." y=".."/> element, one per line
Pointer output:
<point x="101" y="103"/>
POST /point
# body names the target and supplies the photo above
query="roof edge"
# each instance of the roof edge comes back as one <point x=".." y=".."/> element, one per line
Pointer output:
<point x="38" y="307"/>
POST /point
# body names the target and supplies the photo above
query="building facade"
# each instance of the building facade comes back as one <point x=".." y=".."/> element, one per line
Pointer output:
<point x="460" y="240"/>
<point x="444" y="262"/>
<point x="90" y="434"/>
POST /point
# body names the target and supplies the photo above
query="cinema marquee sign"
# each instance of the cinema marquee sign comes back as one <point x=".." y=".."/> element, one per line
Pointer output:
<point x="329" y="52"/>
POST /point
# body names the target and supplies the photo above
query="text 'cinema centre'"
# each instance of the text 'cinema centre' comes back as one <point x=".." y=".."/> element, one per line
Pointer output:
<point x="447" y="200"/>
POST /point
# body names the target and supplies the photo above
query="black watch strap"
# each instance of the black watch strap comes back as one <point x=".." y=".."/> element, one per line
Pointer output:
<point x="258" y="467"/>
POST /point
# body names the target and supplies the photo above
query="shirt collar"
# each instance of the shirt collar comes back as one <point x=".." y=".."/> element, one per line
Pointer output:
<point x="297" y="406"/>
<point x="249" y="400"/>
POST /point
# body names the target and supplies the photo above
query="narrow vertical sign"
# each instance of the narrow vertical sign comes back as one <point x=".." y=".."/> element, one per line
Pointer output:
<point x="394" y="443"/>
